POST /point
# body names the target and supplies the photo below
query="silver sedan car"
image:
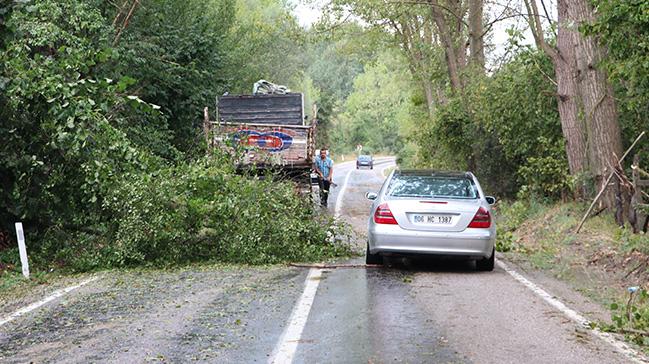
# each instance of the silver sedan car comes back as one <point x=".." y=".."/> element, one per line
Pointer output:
<point x="434" y="213"/>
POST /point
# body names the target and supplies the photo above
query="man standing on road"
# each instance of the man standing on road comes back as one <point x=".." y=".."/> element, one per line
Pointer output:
<point x="324" y="167"/>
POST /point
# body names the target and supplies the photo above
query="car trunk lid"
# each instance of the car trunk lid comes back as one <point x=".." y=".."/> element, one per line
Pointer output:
<point x="443" y="215"/>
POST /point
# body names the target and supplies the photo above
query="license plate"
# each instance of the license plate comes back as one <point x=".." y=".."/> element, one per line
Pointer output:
<point x="432" y="219"/>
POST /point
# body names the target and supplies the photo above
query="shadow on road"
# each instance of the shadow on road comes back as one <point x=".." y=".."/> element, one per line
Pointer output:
<point x="431" y="265"/>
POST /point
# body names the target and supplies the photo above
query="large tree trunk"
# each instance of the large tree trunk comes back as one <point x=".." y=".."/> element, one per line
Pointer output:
<point x="476" y="31"/>
<point x="449" y="42"/>
<point x="449" y="50"/>
<point x="410" y="32"/>
<point x="565" y="67"/>
<point x="565" y="64"/>
<point x="604" y="136"/>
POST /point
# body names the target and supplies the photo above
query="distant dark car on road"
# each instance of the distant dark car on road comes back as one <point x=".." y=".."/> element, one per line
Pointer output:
<point x="364" y="160"/>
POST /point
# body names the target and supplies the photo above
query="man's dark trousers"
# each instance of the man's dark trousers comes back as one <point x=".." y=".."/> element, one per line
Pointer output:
<point x="324" y="190"/>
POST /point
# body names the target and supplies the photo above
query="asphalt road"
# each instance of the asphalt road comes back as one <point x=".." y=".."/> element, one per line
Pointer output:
<point x="429" y="311"/>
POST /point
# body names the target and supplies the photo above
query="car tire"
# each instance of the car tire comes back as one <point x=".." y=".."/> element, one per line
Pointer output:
<point x="372" y="258"/>
<point x="486" y="264"/>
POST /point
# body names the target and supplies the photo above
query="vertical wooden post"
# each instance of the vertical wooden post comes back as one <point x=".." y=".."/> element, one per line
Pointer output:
<point x="22" y="249"/>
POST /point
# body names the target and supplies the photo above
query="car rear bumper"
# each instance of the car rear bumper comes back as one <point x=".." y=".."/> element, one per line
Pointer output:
<point x="473" y="243"/>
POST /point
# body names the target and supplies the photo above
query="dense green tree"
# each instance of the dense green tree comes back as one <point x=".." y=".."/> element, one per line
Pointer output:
<point x="265" y="42"/>
<point x="175" y="53"/>
<point x="56" y="119"/>
<point x="334" y="63"/>
<point x="99" y="125"/>
<point x="623" y="27"/>
<point x="515" y="138"/>
<point x="378" y="107"/>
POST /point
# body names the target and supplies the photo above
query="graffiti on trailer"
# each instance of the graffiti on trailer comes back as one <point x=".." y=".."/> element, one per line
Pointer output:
<point x="271" y="141"/>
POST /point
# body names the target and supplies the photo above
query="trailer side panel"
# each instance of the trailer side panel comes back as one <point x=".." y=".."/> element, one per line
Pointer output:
<point x="262" y="109"/>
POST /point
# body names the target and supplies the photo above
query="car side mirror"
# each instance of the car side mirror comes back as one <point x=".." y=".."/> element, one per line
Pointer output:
<point x="490" y="200"/>
<point x="371" y="195"/>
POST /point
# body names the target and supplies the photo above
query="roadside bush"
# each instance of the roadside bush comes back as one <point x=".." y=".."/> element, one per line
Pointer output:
<point x="197" y="212"/>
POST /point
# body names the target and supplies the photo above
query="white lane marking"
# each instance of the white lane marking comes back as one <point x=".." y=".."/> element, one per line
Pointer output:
<point x="575" y="316"/>
<point x="40" y="303"/>
<point x="285" y="349"/>
<point x="339" y="199"/>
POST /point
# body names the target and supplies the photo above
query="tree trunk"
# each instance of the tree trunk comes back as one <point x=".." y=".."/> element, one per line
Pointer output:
<point x="446" y="37"/>
<point x="476" y="30"/>
<point x="604" y="136"/>
<point x="430" y="96"/>
<point x="565" y="67"/>
<point x="565" y="64"/>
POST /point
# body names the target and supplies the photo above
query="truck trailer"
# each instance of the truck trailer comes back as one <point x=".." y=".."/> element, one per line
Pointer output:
<point x="265" y="132"/>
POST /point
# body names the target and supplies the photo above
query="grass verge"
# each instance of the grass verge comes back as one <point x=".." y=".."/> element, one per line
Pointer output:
<point x="607" y="263"/>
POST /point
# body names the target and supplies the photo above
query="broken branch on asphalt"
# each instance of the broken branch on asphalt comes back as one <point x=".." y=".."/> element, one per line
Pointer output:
<point x="334" y="266"/>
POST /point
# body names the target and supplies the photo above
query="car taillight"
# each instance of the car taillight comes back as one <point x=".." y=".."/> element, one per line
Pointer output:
<point x="383" y="215"/>
<point x="482" y="219"/>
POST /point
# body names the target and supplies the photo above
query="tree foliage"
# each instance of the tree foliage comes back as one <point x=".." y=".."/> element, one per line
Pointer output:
<point x="101" y="156"/>
<point x="378" y="108"/>
<point x="623" y="27"/>
<point x="175" y="53"/>
<point x="266" y="42"/>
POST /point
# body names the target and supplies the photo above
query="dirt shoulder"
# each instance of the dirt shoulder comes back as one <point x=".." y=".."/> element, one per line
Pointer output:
<point x="600" y="263"/>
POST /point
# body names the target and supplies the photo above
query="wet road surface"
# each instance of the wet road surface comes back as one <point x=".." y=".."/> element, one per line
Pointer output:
<point x="410" y="311"/>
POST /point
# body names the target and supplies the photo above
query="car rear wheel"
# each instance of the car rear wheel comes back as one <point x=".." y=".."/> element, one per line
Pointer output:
<point x="486" y="264"/>
<point x="372" y="258"/>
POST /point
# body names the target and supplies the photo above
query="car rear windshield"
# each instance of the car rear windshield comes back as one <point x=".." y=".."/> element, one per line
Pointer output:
<point x="364" y="158"/>
<point x="432" y="186"/>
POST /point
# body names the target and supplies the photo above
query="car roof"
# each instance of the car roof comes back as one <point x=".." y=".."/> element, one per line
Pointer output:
<point x="432" y="172"/>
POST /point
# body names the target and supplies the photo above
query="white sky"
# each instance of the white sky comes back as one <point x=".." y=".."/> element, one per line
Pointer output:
<point x="307" y="14"/>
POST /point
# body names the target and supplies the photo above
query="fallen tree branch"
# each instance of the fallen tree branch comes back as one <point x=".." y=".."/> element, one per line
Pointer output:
<point x="334" y="266"/>
<point x="608" y="180"/>
<point x="599" y="211"/>
<point x="643" y="264"/>
<point x="125" y="22"/>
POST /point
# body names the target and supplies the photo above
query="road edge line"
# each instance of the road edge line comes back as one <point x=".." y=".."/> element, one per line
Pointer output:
<point x="339" y="198"/>
<point x="56" y="294"/>
<point x="287" y="345"/>
<point x="575" y="316"/>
